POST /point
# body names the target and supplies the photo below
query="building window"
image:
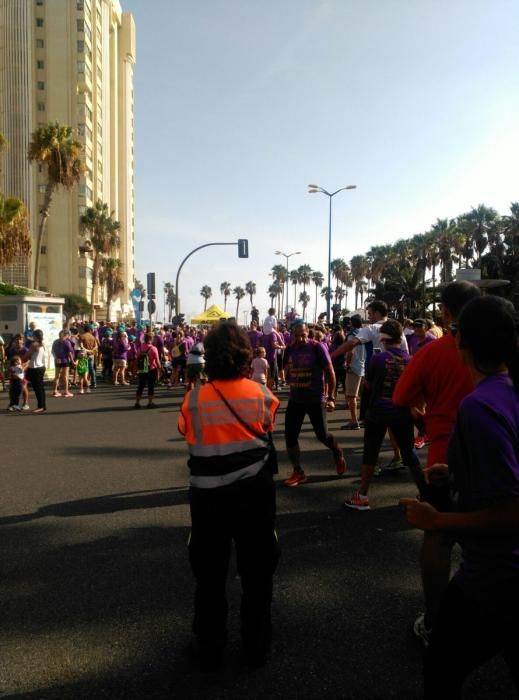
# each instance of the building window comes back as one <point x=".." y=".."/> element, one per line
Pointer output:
<point x="80" y="5"/>
<point x="40" y="43"/>
<point x="41" y="85"/>
<point x="43" y="250"/>
<point x="40" y="65"/>
<point x="85" y="191"/>
<point x="39" y="21"/>
<point x="80" y="25"/>
<point x="41" y="106"/>
<point x="39" y="2"/>
<point x="42" y="188"/>
<point x="81" y="46"/>
<point x="82" y="210"/>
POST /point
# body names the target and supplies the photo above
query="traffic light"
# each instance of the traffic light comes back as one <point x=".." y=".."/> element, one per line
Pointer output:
<point x="150" y="285"/>
<point x="243" y="248"/>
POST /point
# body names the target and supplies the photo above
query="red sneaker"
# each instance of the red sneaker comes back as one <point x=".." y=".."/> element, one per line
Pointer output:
<point x="297" y="477"/>
<point x="419" y="442"/>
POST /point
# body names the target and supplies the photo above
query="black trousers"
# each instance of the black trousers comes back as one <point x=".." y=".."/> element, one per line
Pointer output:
<point x="15" y="391"/>
<point x="243" y="512"/>
<point x="147" y="379"/>
<point x="316" y="412"/>
<point x="35" y="376"/>
<point x="465" y="637"/>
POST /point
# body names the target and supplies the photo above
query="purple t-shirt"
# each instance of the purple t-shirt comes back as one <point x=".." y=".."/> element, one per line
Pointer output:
<point x="120" y="349"/>
<point x="483" y="462"/>
<point x="415" y="344"/>
<point x="255" y="338"/>
<point x="383" y="372"/>
<point x="269" y="341"/>
<point x="62" y="349"/>
<point x="305" y="371"/>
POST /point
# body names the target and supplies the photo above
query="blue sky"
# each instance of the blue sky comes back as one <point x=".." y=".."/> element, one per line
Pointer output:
<point x="240" y="104"/>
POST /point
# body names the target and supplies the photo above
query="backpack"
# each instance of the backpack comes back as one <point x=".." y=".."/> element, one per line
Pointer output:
<point x="82" y="365"/>
<point x="143" y="363"/>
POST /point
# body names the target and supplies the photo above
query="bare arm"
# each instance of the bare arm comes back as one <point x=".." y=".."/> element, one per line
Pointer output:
<point x="345" y="347"/>
<point x="329" y="375"/>
<point x="500" y="518"/>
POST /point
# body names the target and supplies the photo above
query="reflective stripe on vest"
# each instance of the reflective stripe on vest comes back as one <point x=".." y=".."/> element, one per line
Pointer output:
<point x="216" y="413"/>
<point x="213" y="482"/>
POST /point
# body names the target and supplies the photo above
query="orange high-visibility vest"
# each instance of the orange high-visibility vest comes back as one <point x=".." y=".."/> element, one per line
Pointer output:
<point x="221" y="449"/>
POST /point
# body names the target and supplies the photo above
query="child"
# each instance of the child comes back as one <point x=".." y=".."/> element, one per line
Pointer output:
<point x="15" y="383"/>
<point x="260" y="367"/>
<point x="82" y="371"/>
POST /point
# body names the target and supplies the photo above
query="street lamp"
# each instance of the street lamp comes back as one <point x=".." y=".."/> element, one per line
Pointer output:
<point x="279" y="252"/>
<point x="313" y="189"/>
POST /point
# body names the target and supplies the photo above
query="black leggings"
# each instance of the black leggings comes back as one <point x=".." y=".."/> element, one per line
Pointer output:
<point x="294" y="417"/>
<point x="147" y="379"/>
<point x="464" y="637"/>
<point x="35" y="376"/>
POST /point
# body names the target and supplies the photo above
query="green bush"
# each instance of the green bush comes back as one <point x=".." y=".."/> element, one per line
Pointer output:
<point x="7" y="289"/>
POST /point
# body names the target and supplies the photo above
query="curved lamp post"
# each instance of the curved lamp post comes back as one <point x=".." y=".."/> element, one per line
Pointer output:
<point x="313" y="189"/>
<point x="280" y="252"/>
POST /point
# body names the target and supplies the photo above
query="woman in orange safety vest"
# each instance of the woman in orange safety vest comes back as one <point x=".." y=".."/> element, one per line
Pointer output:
<point x="227" y="425"/>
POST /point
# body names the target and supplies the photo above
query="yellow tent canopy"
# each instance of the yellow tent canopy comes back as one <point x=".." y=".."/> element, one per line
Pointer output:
<point x="213" y="314"/>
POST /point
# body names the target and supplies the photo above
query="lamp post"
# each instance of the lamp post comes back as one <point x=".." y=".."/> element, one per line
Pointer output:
<point x="313" y="189"/>
<point x="279" y="252"/>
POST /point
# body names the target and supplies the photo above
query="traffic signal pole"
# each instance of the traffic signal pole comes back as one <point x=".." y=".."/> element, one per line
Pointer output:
<point x="243" y="252"/>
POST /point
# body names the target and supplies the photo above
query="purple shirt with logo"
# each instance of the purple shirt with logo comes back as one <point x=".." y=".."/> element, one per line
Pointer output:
<point x="305" y="371"/>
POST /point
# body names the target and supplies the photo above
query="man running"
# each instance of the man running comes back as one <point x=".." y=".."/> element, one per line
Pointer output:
<point x="309" y="372"/>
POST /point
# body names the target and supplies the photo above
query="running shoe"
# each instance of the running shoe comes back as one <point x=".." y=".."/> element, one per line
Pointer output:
<point x="421" y="630"/>
<point x="297" y="477"/>
<point x="393" y="466"/>
<point x="340" y="463"/>
<point x="13" y="409"/>
<point x="68" y="395"/>
<point x="357" y="502"/>
<point x="82" y="391"/>
<point x="26" y="407"/>
<point x="350" y="426"/>
<point x="419" y="442"/>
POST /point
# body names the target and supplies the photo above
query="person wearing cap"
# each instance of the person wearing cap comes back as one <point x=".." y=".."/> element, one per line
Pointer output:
<point x="382" y="374"/>
<point x="420" y="336"/>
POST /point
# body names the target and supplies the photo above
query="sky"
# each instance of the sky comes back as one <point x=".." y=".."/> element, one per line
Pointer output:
<point x="240" y="104"/>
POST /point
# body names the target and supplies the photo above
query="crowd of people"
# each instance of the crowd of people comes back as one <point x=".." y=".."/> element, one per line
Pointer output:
<point x="452" y="386"/>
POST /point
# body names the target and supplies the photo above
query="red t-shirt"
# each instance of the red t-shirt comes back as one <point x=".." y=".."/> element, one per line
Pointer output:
<point x="437" y="375"/>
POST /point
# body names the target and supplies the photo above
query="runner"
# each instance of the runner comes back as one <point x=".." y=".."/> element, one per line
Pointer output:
<point x="308" y="367"/>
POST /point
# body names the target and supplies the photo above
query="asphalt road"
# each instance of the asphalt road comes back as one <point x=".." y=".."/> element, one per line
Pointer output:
<point x="96" y="591"/>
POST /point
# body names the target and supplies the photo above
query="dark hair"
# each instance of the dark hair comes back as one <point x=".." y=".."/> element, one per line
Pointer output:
<point x="13" y="360"/>
<point x="379" y="306"/>
<point x="272" y="311"/>
<point x="457" y="294"/>
<point x="393" y="329"/>
<point x="356" y="321"/>
<point x="228" y="352"/>
<point x="148" y="338"/>
<point x="487" y="328"/>
<point x="38" y="335"/>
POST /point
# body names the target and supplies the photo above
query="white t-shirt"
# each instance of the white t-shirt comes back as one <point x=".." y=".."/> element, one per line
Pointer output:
<point x="37" y="358"/>
<point x="371" y="334"/>
<point x="269" y="324"/>
<point x="196" y="355"/>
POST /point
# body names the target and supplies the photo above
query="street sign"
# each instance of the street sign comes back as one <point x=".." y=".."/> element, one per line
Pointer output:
<point x="151" y="307"/>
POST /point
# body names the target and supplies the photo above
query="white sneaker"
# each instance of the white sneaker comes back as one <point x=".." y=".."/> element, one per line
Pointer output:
<point x="421" y="631"/>
<point x="26" y="407"/>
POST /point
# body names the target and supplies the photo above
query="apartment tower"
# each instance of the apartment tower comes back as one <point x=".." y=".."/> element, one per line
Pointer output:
<point x="69" y="61"/>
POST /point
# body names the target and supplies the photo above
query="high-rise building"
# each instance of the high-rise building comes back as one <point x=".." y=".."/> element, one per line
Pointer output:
<point x="69" y="61"/>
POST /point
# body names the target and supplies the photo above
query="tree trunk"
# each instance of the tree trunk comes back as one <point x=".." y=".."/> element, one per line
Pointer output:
<point x="237" y="307"/>
<point x="49" y="189"/>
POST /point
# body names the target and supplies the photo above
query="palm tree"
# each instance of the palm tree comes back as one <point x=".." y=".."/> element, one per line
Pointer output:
<point x="273" y="291"/>
<point x="53" y="147"/>
<point x="15" y="240"/>
<point x="295" y="279"/>
<point x="359" y="269"/>
<point x="206" y="292"/>
<point x="170" y="298"/>
<point x="225" y="289"/>
<point x="317" y="279"/>
<point x="327" y="293"/>
<point x="511" y="228"/>
<point x="305" y="275"/>
<point x="250" y="288"/>
<point x="99" y="224"/>
<point x="111" y="276"/>
<point x="279" y="274"/>
<point x="304" y="298"/>
<point x="239" y="293"/>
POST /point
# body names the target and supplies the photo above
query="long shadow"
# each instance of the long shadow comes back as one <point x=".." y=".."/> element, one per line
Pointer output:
<point x="133" y="500"/>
